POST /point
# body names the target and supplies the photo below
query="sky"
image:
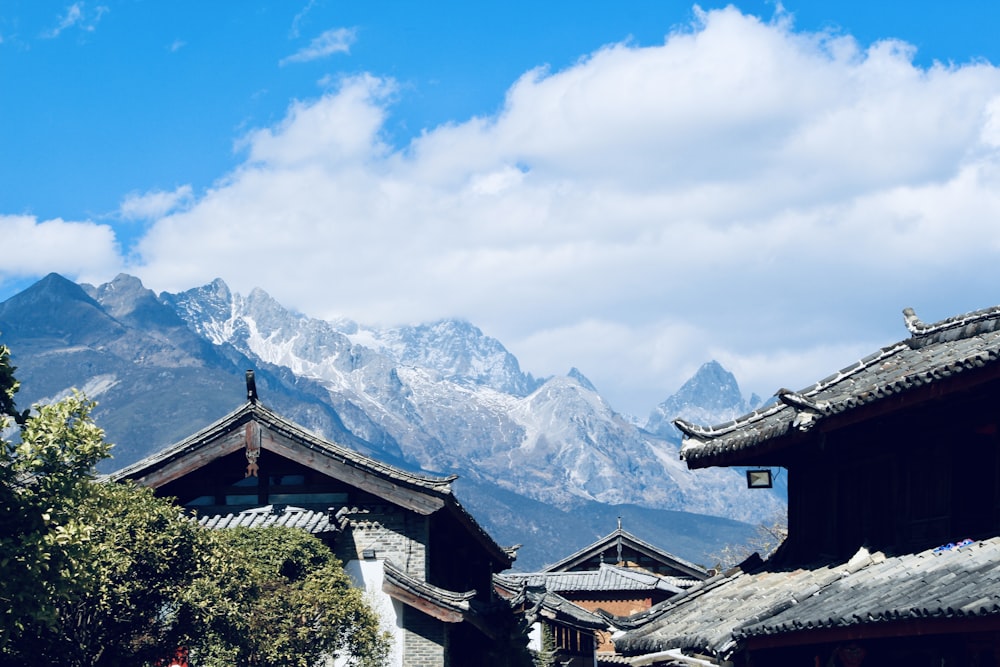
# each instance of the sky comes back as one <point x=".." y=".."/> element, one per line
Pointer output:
<point x="629" y="188"/>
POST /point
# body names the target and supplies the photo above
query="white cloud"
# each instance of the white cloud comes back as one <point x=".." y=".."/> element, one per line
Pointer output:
<point x="79" y="16"/>
<point x="80" y="250"/>
<point x="335" y="40"/>
<point x="340" y="130"/>
<point x="300" y="17"/>
<point x="743" y="191"/>
<point x="156" y="204"/>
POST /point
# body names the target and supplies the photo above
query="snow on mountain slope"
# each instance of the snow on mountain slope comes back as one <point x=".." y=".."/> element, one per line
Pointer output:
<point x="453" y="399"/>
<point x="711" y="396"/>
<point x="457" y="350"/>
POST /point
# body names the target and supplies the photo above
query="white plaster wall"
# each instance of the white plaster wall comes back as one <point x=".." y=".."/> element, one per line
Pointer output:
<point x="535" y="637"/>
<point x="368" y="575"/>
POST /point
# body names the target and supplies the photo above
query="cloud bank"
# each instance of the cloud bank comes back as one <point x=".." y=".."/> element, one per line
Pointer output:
<point x="744" y="191"/>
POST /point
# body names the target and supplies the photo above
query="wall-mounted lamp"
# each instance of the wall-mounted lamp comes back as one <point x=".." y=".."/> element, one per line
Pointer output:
<point x="758" y="479"/>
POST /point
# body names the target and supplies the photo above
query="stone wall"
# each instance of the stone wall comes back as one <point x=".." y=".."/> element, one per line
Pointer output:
<point x="393" y="534"/>
<point x="425" y="640"/>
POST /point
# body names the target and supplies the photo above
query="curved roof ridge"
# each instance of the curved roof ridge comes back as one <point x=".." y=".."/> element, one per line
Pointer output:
<point x="255" y="410"/>
<point x="933" y="353"/>
<point x="622" y="534"/>
<point x="790" y="399"/>
<point x="440" y="484"/>
<point x="919" y="329"/>
<point x="457" y="599"/>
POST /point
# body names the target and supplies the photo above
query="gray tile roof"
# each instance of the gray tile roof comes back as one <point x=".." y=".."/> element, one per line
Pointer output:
<point x="954" y="581"/>
<point x="437" y="488"/>
<point x="445" y="605"/>
<point x="607" y="578"/>
<point x="552" y="606"/>
<point x="716" y="615"/>
<point x="626" y="539"/>
<point x="253" y="410"/>
<point x="453" y="600"/>
<point x="966" y="345"/>
<point x="536" y="601"/>
<point x="274" y="515"/>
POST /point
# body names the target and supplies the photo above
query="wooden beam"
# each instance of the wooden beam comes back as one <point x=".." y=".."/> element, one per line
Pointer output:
<point x="885" y="630"/>
<point x="412" y="499"/>
<point x="428" y="607"/>
<point x="193" y="460"/>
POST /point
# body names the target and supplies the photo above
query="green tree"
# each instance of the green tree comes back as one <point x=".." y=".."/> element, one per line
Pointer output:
<point x="8" y="387"/>
<point x="287" y="601"/>
<point x="141" y="556"/>
<point x="106" y="574"/>
<point x="44" y="476"/>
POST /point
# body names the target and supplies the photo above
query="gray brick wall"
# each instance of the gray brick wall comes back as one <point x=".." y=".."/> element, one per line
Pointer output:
<point x="396" y="535"/>
<point x="425" y="640"/>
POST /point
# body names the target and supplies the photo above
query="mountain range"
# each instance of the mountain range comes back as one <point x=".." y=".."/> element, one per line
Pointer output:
<point x="544" y="462"/>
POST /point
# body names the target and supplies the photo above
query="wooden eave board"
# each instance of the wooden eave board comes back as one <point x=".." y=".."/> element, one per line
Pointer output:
<point x="428" y="606"/>
<point x="411" y="499"/>
<point x="189" y="461"/>
<point x="282" y="438"/>
<point x="628" y="540"/>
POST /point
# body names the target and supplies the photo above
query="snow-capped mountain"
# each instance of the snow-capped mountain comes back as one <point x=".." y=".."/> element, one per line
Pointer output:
<point x="446" y="397"/>
<point x="541" y="459"/>
<point x="710" y="396"/>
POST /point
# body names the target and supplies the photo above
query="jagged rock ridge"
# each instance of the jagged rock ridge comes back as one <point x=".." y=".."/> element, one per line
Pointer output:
<point x="710" y="396"/>
<point x="450" y="398"/>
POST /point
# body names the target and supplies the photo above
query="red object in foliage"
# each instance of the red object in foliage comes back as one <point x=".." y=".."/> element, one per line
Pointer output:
<point x="179" y="659"/>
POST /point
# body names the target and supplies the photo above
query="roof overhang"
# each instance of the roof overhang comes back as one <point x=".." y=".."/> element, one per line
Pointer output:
<point x="777" y="448"/>
<point x="442" y="604"/>
<point x="254" y="426"/>
<point x="903" y="628"/>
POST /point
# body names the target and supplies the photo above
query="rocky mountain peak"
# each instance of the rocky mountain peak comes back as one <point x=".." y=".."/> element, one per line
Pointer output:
<point x="582" y="379"/>
<point x="460" y="352"/>
<point x="127" y="300"/>
<point x="80" y="317"/>
<point x="709" y="397"/>
<point x="52" y="289"/>
<point x="443" y="396"/>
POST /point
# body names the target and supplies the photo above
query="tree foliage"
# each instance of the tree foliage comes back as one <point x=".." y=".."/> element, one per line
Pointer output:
<point x="289" y="602"/>
<point x="766" y="539"/>
<point x="44" y="478"/>
<point x="547" y="655"/>
<point x="8" y="387"/>
<point x="100" y="573"/>
<point x="140" y="556"/>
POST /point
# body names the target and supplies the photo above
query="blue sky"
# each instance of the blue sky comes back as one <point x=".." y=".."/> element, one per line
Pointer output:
<point x="630" y="188"/>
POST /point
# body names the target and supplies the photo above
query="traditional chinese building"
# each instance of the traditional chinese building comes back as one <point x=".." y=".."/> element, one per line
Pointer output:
<point x="622" y="548"/>
<point x="403" y="536"/>
<point x="893" y="548"/>
<point x="577" y="599"/>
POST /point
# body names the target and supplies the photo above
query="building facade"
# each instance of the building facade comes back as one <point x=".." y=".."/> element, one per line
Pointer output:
<point x="893" y="548"/>
<point x="426" y="563"/>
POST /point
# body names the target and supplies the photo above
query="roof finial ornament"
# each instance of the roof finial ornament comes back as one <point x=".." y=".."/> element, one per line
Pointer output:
<point x="620" y="561"/>
<point x="913" y="323"/>
<point x="251" y="387"/>
<point x="251" y="438"/>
